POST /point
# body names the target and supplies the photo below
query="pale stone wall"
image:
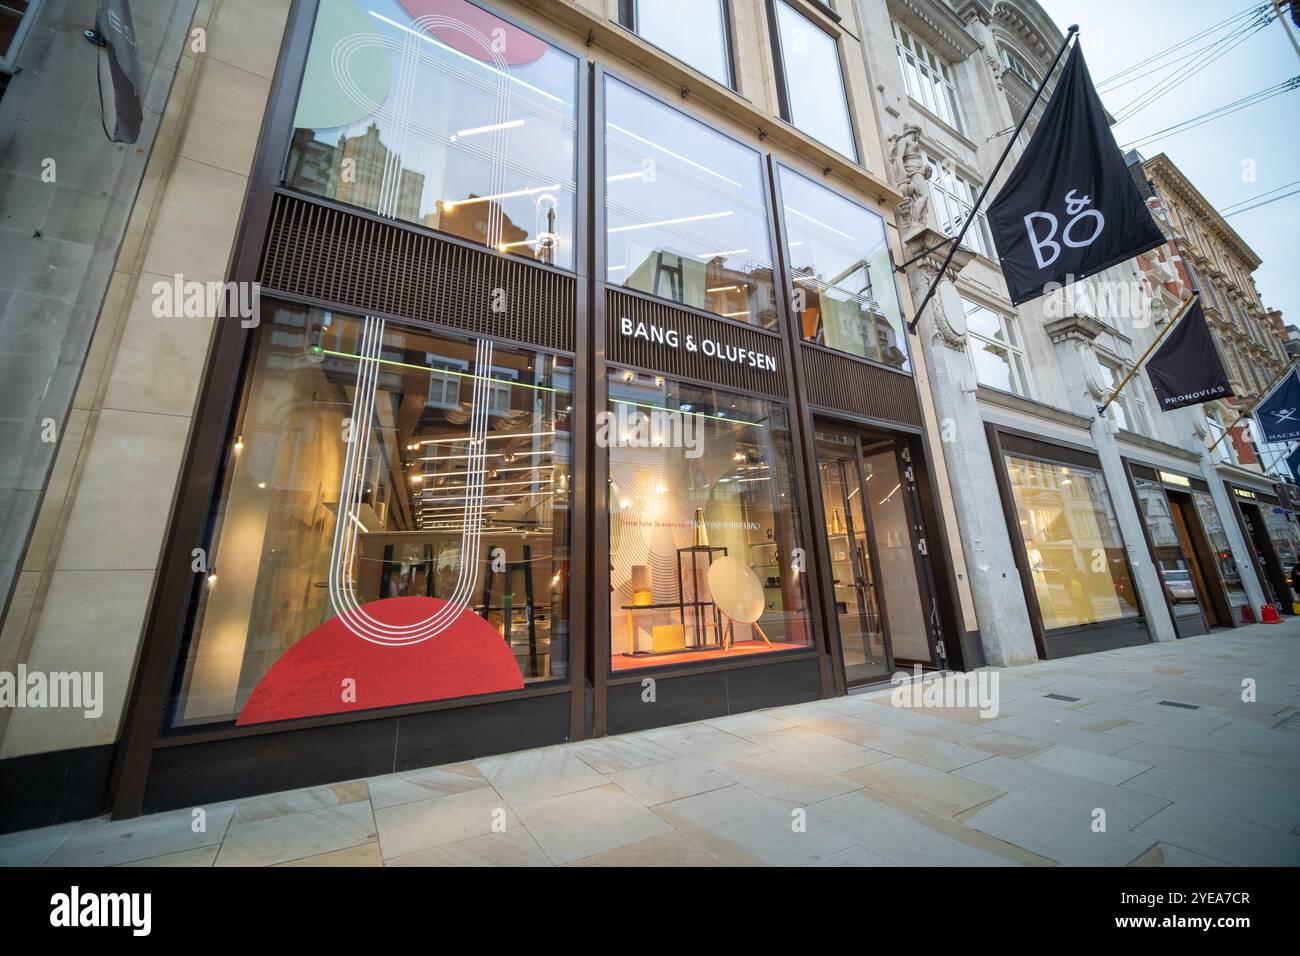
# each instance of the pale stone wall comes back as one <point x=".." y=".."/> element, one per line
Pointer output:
<point x="87" y="578"/>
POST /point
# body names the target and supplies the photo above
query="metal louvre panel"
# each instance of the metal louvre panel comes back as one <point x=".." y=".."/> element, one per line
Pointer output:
<point x="680" y="362"/>
<point x="843" y="383"/>
<point x="367" y="265"/>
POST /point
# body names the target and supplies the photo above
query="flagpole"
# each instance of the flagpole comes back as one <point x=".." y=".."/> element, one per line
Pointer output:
<point x="1253" y="405"/>
<point x="1187" y="305"/>
<point x="952" y="248"/>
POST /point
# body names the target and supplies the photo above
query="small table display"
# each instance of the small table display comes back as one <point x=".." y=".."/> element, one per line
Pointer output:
<point x="704" y="613"/>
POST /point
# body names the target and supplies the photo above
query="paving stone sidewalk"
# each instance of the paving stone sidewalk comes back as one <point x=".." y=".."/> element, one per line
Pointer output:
<point x="1157" y="737"/>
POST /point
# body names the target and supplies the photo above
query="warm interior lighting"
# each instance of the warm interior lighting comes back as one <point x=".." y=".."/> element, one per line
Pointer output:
<point x="239" y="443"/>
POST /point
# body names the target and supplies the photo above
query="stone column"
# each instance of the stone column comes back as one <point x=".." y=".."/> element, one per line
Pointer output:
<point x="1073" y="337"/>
<point x="995" y="585"/>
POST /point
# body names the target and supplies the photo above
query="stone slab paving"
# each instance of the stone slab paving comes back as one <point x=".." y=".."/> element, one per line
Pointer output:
<point x="1143" y="756"/>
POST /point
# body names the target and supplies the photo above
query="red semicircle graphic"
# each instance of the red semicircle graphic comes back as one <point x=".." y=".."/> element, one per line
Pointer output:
<point x="468" y="658"/>
<point x="515" y="46"/>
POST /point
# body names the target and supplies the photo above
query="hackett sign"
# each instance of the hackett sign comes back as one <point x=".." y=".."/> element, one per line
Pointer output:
<point x="712" y="348"/>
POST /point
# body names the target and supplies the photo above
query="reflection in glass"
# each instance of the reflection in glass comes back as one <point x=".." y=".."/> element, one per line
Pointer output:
<point x="685" y="212"/>
<point x="842" y="273"/>
<point x="442" y="115"/>
<point x="1218" y="539"/>
<point x="698" y="478"/>
<point x="694" y="31"/>
<point x="1072" y="542"/>
<point x="1181" y="581"/>
<point x="814" y="86"/>
<point x="995" y="350"/>
<point x="406" y="462"/>
<point x="1284" y="534"/>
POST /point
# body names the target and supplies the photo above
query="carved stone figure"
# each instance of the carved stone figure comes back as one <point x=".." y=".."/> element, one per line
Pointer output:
<point x="911" y="172"/>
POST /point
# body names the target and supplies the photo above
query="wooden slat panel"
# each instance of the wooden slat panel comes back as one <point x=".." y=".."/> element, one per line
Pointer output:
<point x="842" y="383"/>
<point x="320" y="252"/>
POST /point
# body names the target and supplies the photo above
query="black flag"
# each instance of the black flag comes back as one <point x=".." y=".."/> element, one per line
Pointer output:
<point x="1186" y="369"/>
<point x="1070" y="208"/>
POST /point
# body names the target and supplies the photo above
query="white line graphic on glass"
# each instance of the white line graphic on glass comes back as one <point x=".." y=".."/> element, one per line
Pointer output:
<point x="398" y="124"/>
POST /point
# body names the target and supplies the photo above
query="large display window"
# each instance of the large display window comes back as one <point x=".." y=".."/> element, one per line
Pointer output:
<point x="841" y="273"/>
<point x="1285" y="535"/>
<point x="393" y="524"/>
<point x="707" y="553"/>
<point x="685" y="210"/>
<point x="439" y="113"/>
<point x="1072" y="543"/>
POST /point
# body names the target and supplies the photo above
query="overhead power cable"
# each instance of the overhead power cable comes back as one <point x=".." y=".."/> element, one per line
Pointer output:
<point x="1111" y="80"/>
<point x="1264" y="202"/>
<point x="1166" y="85"/>
<point x="1260" y="96"/>
<point x="1258" y="196"/>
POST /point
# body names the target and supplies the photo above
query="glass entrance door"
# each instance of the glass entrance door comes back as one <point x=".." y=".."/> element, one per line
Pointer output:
<point x="857" y="605"/>
<point x="883" y="603"/>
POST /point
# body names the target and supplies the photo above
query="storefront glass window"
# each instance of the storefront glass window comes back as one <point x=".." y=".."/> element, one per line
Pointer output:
<point x="1072" y="541"/>
<point x="1218" y="539"/>
<point x="685" y="210"/>
<point x="705" y="541"/>
<point x="394" y="512"/>
<point x="842" y="273"/>
<point x="1285" y="535"/>
<point x="443" y="115"/>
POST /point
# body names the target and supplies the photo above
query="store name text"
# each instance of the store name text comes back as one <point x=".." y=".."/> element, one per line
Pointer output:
<point x="712" y="348"/>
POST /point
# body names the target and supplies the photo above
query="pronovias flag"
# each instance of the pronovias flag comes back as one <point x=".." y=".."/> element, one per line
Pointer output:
<point x="1186" y="369"/>
<point x="1070" y="208"/>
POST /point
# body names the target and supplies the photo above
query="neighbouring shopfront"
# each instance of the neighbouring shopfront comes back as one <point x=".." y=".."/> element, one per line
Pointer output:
<point x="567" y="414"/>
<point x="1272" y="539"/>
<point x="1201" y="583"/>
<point x="1072" y="558"/>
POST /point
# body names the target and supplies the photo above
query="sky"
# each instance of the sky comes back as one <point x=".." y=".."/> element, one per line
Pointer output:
<point x="1218" y="156"/>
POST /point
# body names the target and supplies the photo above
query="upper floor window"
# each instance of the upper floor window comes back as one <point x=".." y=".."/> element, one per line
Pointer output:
<point x="685" y="210"/>
<point x="694" y="31"/>
<point x="461" y="122"/>
<point x="996" y="353"/>
<point x="1129" y="410"/>
<point x="1017" y="66"/>
<point x="929" y="78"/>
<point x="954" y="198"/>
<point x="841" y="273"/>
<point x="810" y="84"/>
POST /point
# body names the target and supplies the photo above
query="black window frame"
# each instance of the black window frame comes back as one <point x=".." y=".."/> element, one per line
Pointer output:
<point x="779" y="72"/>
<point x="627" y="19"/>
